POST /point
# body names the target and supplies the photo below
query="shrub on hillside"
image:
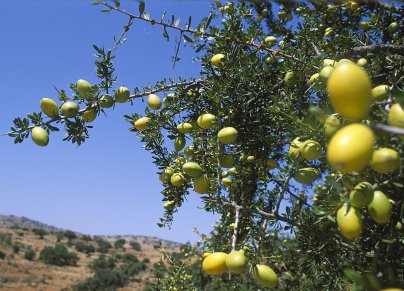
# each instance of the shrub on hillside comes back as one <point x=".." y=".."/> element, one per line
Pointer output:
<point x="58" y="256"/>
<point x="135" y="246"/>
<point x="29" y="254"/>
<point x="16" y="248"/>
<point x="2" y="255"/>
<point x="6" y="239"/>
<point x="85" y="248"/>
<point x="40" y="232"/>
<point x="119" y="243"/>
<point x="103" y="246"/>
<point x="70" y="234"/>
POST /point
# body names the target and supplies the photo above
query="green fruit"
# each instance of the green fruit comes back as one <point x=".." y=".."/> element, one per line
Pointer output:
<point x="306" y="175"/>
<point x="226" y="182"/>
<point x="270" y="41"/>
<point x="326" y="73"/>
<point x="89" y="115"/>
<point x="399" y="225"/>
<point x="179" y="143"/>
<point x="380" y="92"/>
<point x="141" y="123"/>
<point x="69" y="109"/>
<point x="393" y="27"/>
<point x="189" y="151"/>
<point x="331" y="126"/>
<point x="154" y="102"/>
<point x="270" y="60"/>
<point x="201" y="184"/>
<point x="227" y="135"/>
<point x="184" y="127"/>
<point x="206" y="121"/>
<point x="40" y="136"/>
<point x="177" y="179"/>
<point x="265" y="276"/>
<point x="329" y="62"/>
<point x="192" y="169"/>
<point x="272" y="164"/>
<point x="364" y="25"/>
<point x="165" y="177"/>
<point x="84" y="88"/>
<point x="361" y="195"/>
<point x="294" y="149"/>
<point x="107" y="101"/>
<point x="396" y="116"/>
<point x="349" y="222"/>
<point x="385" y="160"/>
<point x="310" y="149"/>
<point x="380" y="208"/>
<point x="236" y="262"/>
<point x="49" y="107"/>
<point x="362" y="62"/>
<point x="122" y="94"/>
<point x="289" y="79"/>
<point x="316" y="81"/>
<point x="232" y="171"/>
<point x="227" y="161"/>
<point x="225" y="174"/>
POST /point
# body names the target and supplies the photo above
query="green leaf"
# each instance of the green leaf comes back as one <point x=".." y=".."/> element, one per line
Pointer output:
<point x="141" y="7"/>
<point x="165" y="34"/>
<point x="189" y="22"/>
<point x="188" y="39"/>
<point x="208" y="21"/>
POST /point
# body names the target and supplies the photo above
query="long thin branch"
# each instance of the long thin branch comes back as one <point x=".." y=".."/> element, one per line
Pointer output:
<point x="398" y="49"/>
<point x="285" y="186"/>
<point x="387" y="128"/>
<point x="235" y="229"/>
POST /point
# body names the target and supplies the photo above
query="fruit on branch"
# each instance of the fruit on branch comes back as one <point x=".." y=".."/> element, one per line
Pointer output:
<point x="306" y="175"/>
<point x="236" y="262"/>
<point x="122" y="94"/>
<point x="393" y="27"/>
<point x="154" y="102"/>
<point x="192" y="169"/>
<point x="184" y="127"/>
<point x="270" y="41"/>
<point x="107" y="101"/>
<point x="385" y="160"/>
<point x="179" y="143"/>
<point x="165" y="177"/>
<point x="349" y="91"/>
<point x="141" y="123"/>
<point x="380" y="92"/>
<point x="329" y="62"/>
<point x="316" y="81"/>
<point x="232" y="171"/>
<point x="272" y="164"/>
<point x="362" y="62"/>
<point x="227" y="161"/>
<point x="361" y="195"/>
<point x="40" y="136"/>
<point x="226" y="182"/>
<point x="169" y="205"/>
<point x="310" y="149"/>
<point x="205" y="255"/>
<point x="365" y="26"/>
<point x="69" y="109"/>
<point x="215" y="263"/>
<point x="380" y="208"/>
<point x="265" y="276"/>
<point x="84" y="88"/>
<point x="396" y="116"/>
<point x="89" y="115"/>
<point x="331" y="125"/>
<point x="206" y="121"/>
<point x="177" y="179"/>
<point x="225" y="174"/>
<point x="49" y="107"/>
<point x="227" y="135"/>
<point x="326" y="73"/>
<point x="168" y="99"/>
<point x="217" y="59"/>
<point x="349" y="221"/>
<point x="201" y="184"/>
<point x="270" y="60"/>
<point x="289" y="79"/>
<point x="294" y="149"/>
<point x="328" y="32"/>
<point x="250" y="159"/>
<point x="189" y="151"/>
<point x="351" y="148"/>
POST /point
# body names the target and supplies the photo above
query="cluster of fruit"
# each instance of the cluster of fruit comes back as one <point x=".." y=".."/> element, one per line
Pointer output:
<point x="236" y="262"/>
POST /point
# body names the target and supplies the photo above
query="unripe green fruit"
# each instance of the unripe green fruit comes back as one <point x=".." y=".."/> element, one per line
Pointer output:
<point x="89" y="115"/>
<point x="49" y="107"/>
<point x="226" y="182"/>
<point x="40" y="136"/>
<point x="326" y="73"/>
<point x="227" y="161"/>
<point x="380" y="208"/>
<point x="206" y="121"/>
<point x="272" y="164"/>
<point x="84" y="88"/>
<point x="270" y="41"/>
<point x="227" y="135"/>
<point x="177" y="179"/>
<point x="189" y="151"/>
<point x="107" y="101"/>
<point x="265" y="276"/>
<point x="380" y="92"/>
<point x="184" y="127"/>
<point x="364" y="25"/>
<point x="289" y="79"/>
<point x="310" y="149"/>
<point x="122" y="94"/>
<point x="179" y="143"/>
<point x="361" y="195"/>
<point x="192" y="169"/>
<point x="69" y="109"/>
<point x="331" y="125"/>
<point x="329" y="62"/>
<point x="250" y="159"/>
<point x="154" y="102"/>
<point x="306" y="175"/>
<point x="201" y="184"/>
<point x="393" y="27"/>
<point x="362" y="62"/>
<point x="236" y="262"/>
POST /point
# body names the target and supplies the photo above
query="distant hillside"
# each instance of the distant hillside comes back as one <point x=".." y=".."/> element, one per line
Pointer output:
<point x="11" y="221"/>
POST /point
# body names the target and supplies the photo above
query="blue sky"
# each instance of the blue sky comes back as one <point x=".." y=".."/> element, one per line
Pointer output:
<point x="109" y="184"/>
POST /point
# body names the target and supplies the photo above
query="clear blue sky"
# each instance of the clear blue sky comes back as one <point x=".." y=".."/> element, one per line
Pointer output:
<point x="108" y="185"/>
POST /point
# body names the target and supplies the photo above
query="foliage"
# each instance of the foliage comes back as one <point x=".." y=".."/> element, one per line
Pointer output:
<point x="29" y="253"/>
<point x="58" y="256"/>
<point x="119" y="243"/>
<point x="40" y="232"/>
<point x="103" y="245"/>
<point x="135" y="246"/>
<point x="16" y="248"/>
<point x="2" y="255"/>
<point x="85" y="248"/>
<point x="6" y="239"/>
<point x="70" y="235"/>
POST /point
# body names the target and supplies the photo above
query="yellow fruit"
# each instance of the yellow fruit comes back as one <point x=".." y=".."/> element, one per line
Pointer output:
<point x="306" y="175"/>
<point x="122" y="94"/>
<point x="227" y="135"/>
<point x="392" y="289"/>
<point x="289" y="79"/>
<point x="265" y="276"/>
<point x="396" y="116"/>
<point x="399" y="225"/>
<point x="362" y="62"/>
<point x="270" y="60"/>
<point x="294" y="149"/>
<point x="331" y="126"/>
<point x="205" y="255"/>
<point x="49" y="107"/>
<point x="217" y="59"/>
<point x="361" y="195"/>
<point x="215" y="263"/>
<point x="232" y="171"/>
<point x="392" y="27"/>
<point x="225" y="174"/>
<point x="165" y="177"/>
<point x="192" y="169"/>
<point x="349" y="222"/>
<point x="227" y="161"/>
<point x="141" y="123"/>
<point x="385" y="160"/>
<point x="236" y="262"/>
<point x="270" y="41"/>
<point x="40" y="136"/>
<point x="179" y="143"/>
<point x="329" y="62"/>
<point x="206" y="121"/>
<point x="154" y="102"/>
<point x="326" y="73"/>
<point x="328" y="32"/>
<point x="177" y="179"/>
<point x="89" y="115"/>
<point x="315" y="79"/>
<point x="84" y="88"/>
<point x="351" y="148"/>
<point x="169" y="205"/>
<point x="364" y="25"/>
<point x="226" y="182"/>
<point x="380" y="208"/>
<point x="184" y="127"/>
<point x="272" y="164"/>
<point x="380" y="92"/>
<point x="349" y="91"/>
<point x="250" y="159"/>
<point x="201" y="184"/>
<point x="310" y="149"/>
<point x="107" y="101"/>
<point x="69" y="109"/>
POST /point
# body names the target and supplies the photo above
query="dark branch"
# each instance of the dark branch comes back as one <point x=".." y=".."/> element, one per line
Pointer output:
<point x="376" y="48"/>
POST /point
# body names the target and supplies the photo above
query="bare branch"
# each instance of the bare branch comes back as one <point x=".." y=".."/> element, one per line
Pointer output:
<point x="376" y="48"/>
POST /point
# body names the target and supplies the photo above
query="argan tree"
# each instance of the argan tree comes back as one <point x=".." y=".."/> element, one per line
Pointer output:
<point x="293" y="128"/>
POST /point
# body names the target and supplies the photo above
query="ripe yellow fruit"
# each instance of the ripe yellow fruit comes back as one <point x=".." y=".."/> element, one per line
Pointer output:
<point x="141" y="123"/>
<point x="306" y="175"/>
<point x="206" y="121"/>
<point x="201" y="184"/>
<point x="392" y="289"/>
<point x="179" y="143"/>
<point x="272" y="164"/>
<point x="349" y="91"/>
<point x="351" y="148"/>
<point x="40" y="136"/>
<point x="326" y="73"/>
<point x="84" y="88"/>
<point x="177" y="179"/>
<point x="215" y="263"/>
<point x="107" y="101"/>
<point x="122" y="94"/>
<point x="154" y="102"/>
<point x="380" y="92"/>
<point x="380" y="208"/>
<point x="227" y="135"/>
<point x="205" y="255"/>
<point x="310" y="149"/>
<point x="89" y="115"/>
<point x="294" y="149"/>
<point x="250" y="159"/>
<point x="315" y="79"/>
<point x="289" y="79"/>
<point x="192" y="169"/>
<point x="349" y="222"/>
<point x="232" y="171"/>
<point x="227" y="161"/>
<point x="328" y="32"/>
<point x="265" y="276"/>
<point x="184" y="127"/>
<point x="49" y="107"/>
<point x="329" y="62"/>
<point x="217" y="59"/>
<point x="385" y="160"/>
<point x="361" y="195"/>
<point x="396" y="116"/>
<point x="169" y="205"/>
<point x="236" y="262"/>
<point x="69" y="109"/>
<point x="331" y="126"/>
<point x="226" y="182"/>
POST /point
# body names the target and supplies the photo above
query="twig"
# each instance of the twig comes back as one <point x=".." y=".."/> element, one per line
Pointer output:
<point x="387" y="128"/>
<point x="285" y="186"/>
<point x="235" y="229"/>
<point x="398" y="49"/>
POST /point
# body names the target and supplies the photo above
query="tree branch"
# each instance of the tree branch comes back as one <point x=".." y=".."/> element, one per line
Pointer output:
<point x="376" y="48"/>
<point x="387" y="128"/>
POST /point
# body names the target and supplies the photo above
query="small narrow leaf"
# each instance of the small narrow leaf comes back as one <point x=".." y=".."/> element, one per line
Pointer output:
<point x="141" y="7"/>
<point x="208" y="21"/>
